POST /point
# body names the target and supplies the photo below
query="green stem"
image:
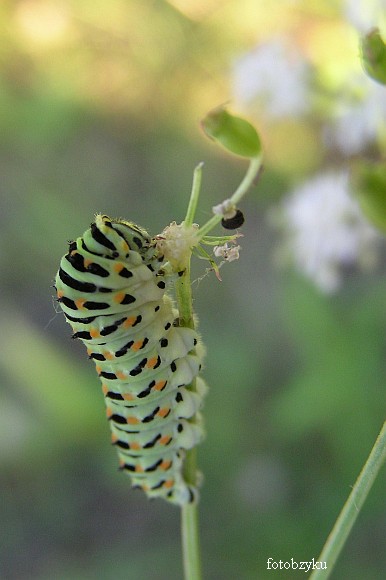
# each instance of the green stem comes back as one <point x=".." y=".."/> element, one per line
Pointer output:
<point x="190" y="542"/>
<point x="194" y="195"/>
<point x="189" y="512"/>
<point x="184" y="299"/>
<point x="352" y="507"/>
<point x="253" y="170"/>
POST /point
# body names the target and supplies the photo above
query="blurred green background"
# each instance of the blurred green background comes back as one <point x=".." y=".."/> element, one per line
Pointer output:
<point x="100" y="104"/>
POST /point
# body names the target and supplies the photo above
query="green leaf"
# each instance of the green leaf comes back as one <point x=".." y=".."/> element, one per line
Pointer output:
<point x="233" y="133"/>
<point x="373" y="51"/>
<point x="369" y="186"/>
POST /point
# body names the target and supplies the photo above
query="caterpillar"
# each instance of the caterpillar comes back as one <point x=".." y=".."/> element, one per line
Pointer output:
<point x="111" y="287"/>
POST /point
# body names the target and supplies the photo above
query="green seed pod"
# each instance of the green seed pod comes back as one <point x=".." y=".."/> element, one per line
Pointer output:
<point x="233" y="133"/>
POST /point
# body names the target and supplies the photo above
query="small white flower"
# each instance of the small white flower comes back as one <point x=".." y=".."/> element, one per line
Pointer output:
<point x="274" y="74"/>
<point x="360" y="115"/>
<point x="229" y="253"/>
<point x="325" y="230"/>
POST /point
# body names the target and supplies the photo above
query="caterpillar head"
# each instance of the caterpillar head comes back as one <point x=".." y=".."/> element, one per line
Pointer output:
<point x="119" y="236"/>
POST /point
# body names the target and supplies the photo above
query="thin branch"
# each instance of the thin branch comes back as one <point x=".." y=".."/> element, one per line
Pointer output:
<point x="352" y="507"/>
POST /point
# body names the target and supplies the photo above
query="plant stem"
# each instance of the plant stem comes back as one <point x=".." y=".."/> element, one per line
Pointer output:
<point x="190" y="542"/>
<point x="194" y="195"/>
<point x="352" y="507"/>
<point x="252" y="172"/>
<point x="189" y="512"/>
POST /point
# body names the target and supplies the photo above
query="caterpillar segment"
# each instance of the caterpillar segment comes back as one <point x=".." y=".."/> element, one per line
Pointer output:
<point x="112" y="289"/>
<point x="150" y="385"/>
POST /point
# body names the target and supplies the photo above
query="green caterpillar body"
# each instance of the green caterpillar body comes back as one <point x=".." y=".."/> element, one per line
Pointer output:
<point x="111" y="287"/>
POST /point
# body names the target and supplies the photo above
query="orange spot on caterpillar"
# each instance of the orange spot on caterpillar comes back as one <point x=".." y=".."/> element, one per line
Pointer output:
<point x="125" y="247"/>
<point x="109" y="412"/>
<point x="132" y="420"/>
<point x="137" y="345"/>
<point x="152" y="362"/>
<point x="114" y="438"/>
<point x="128" y="397"/>
<point x="105" y="389"/>
<point x="87" y="262"/>
<point x="118" y="267"/>
<point x="98" y="369"/>
<point x="163" y="412"/>
<point x="139" y="469"/>
<point x="89" y="351"/>
<point x="165" y="465"/>
<point x="169" y="483"/>
<point x="136" y="446"/>
<point x="165" y="440"/>
<point x="119" y="297"/>
<point x="94" y="332"/>
<point x="108" y="355"/>
<point x="121" y="375"/>
<point x="129" y="322"/>
<point x="80" y="303"/>
<point x="159" y="386"/>
<point x="60" y="293"/>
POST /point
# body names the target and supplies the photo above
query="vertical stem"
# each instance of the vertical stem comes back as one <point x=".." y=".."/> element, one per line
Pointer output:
<point x="189" y="512"/>
<point x="190" y="542"/>
<point x="352" y="507"/>
<point x="184" y="298"/>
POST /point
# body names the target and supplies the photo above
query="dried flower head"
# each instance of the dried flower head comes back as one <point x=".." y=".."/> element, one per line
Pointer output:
<point x="176" y="243"/>
<point x="227" y="252"/>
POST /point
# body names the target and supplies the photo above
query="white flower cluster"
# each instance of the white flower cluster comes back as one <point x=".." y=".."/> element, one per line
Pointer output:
<point x="359" y="116"/>
<point x="360" y="110"/>
<point x="275" y="75"/>
<point x="325" y="230"/>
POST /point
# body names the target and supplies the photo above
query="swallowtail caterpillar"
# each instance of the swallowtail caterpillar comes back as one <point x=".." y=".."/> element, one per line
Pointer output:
<point x="111" y="287"/>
